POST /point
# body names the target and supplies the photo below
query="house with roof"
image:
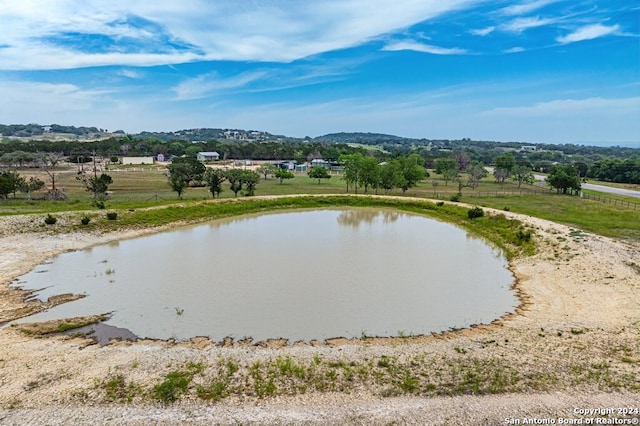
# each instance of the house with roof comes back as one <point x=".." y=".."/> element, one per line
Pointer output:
<point x="208" y="156"/>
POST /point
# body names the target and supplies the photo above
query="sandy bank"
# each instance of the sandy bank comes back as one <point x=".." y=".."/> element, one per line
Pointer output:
<point x="581" y="317"/>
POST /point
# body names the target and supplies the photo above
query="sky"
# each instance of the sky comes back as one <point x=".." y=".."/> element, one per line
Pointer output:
<point x="537" y="71"/>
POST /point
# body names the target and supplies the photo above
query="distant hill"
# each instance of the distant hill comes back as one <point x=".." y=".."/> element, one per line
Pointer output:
<point x="59" y="132"/>
<point x="360" y="137"/>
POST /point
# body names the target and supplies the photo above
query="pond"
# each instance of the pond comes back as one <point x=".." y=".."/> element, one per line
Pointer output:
<point x="299" y="275"/>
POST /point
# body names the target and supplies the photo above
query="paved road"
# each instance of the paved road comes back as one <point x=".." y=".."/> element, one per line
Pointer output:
<point x="601" y="188"/>
<point x="611" y="190"/>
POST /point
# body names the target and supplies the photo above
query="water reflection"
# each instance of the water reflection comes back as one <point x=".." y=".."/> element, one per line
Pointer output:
<point x="357" y="217"/>
<point x="300" y="275"/>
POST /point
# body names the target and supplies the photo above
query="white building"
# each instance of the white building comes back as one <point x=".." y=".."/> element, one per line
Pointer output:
<point x="137" y="160"/>
<point x="208" y="156"/>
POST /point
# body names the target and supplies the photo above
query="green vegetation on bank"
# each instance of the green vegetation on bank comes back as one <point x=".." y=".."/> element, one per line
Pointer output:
<point x="460" y="371"/>
<point x="147" y="186"/>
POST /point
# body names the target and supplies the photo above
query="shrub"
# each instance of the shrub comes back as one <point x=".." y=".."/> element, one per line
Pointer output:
<point x="475" y="212"/>
<point x="523" y="236"/>
<point x="440" y="203"/>
<point x="50" y="220"/>
<point x="456" y="197"/>
<point x="506" y="208"/>
<point x="85" y="220"/>
<point x="112" y="215"/>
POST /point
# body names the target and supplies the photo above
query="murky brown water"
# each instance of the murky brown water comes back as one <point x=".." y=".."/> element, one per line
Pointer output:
<point x="300" y="275"/>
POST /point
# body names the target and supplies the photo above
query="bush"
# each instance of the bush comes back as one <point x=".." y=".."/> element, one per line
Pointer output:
<point x="85" y="220"/>
<point x="440" y="203"/>
<point x="506" y="208"/>
<point x="50" y="220"/>
<point x="112" y="215"/>
<point x="523" y="236"/>
<point x="456" y="197"/>
<point x="475" y="212"/>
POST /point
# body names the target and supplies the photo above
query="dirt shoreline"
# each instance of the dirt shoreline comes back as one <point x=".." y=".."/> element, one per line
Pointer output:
<point x="581" y="305"/>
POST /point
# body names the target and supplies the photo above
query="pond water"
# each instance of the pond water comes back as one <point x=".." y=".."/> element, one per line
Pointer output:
<point x="299" y="275"/>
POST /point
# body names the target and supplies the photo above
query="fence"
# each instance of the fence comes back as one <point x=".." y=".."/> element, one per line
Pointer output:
<point x="612" y="201"/>
<point x="606" y="200"/>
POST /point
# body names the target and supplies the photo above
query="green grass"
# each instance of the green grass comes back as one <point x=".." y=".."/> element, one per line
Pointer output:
<point x="589" y="215"/>
<point x="141" y="187"/>
<point x="460" y="372"/>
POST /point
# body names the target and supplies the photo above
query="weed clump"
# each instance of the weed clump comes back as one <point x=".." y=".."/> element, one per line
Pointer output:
<point x="50" y="220"/>
<point x="475" y="212"/>
<point x="112" y="215"/>
<point x="85" y="220"/>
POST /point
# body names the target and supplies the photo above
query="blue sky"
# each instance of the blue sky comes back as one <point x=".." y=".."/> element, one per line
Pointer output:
<point x="550" y="71"/>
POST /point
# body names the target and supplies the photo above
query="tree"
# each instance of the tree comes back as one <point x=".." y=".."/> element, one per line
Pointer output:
<point x="391" y="176"/>
<point x="53" y="158"/>
<point x="504" y="165"/>
<point x="239" y="178"/>
<point x="446" y="167"/>
<point x="369" y="173"/>
<point x="183" y="171"/>
<point x="214" y="179"/>
<point x="7" y="185"/>
<point x="267" y="169"/>
<point x="318" y="172"/>
<point x="476" y="173"/>
<point x="462" y="160"/>
<point x="234" y="176"/>
<point x="177" y="183"/>
<point x="12" y="182"/>
<point x="283" y="174"/>
<point x="99" y="185"/>
<point x="250" y="179"/>
<point x="564" y="178"/>
<point x="30" y="185"/>
<point x="412" y="171"/>
<point x="350" y="164"/>
<point x="522" y="174"/>
<point x="500" y="175"/>
<point x="506" y="162"/>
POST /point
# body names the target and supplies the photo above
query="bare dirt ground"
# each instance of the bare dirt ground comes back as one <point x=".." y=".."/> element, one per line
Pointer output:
<point x="574" y="344"/>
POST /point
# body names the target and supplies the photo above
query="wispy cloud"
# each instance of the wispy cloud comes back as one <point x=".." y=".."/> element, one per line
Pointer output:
<point x="282" y="31"/>
<point x="210" y="84"/>
<point x="563" y="107"/>
<point x="522" y="24"/>
<point x="524" y="8"/>
<point x="588" y="33"/>
<point x="424" y="48"/>
<point x="47" y="102"/>
<point x="129" y="73"/>
<point x="483" y="31"/>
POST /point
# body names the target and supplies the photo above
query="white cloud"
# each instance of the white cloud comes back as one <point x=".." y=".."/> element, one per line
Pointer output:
<point x="483" y="31"/>
<point x="588" y="33"/>
<point x="574" y="107"/>
<point x="424" y="48"/>
<point x="50" y="103"/>
<point x="524" y="8"/>
<point x="210" y="84"/>
<point x="522" y="24"/>
<point x="129" y="73"/>
<point x="282" y="30"/>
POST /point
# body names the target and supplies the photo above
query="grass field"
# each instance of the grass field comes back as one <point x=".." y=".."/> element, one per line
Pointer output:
<point x="146" y="186"/>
